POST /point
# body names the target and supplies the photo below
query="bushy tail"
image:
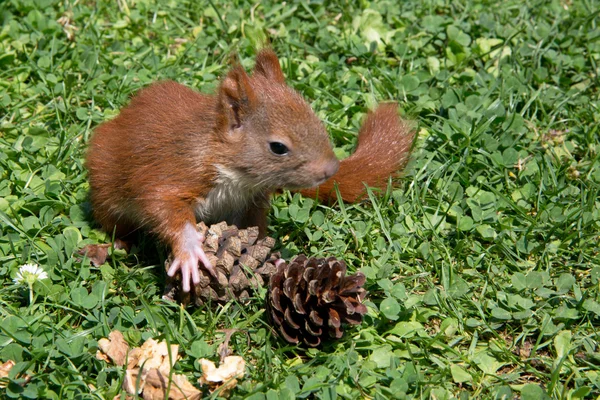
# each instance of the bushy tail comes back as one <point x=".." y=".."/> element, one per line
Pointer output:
<point x="384" y="144"/>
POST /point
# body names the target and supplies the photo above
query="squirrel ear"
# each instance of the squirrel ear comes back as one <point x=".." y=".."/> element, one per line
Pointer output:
<point x="236" y="96"/>
<point x="267" y="65"/>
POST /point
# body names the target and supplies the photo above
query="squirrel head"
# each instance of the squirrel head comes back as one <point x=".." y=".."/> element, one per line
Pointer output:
<point x="277" y="139"/>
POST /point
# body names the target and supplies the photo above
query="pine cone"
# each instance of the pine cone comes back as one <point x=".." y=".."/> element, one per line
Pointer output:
<point x="311" y="298"/>
<point x="239" y="257"/>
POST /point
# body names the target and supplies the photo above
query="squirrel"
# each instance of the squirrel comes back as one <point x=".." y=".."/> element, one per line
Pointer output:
<point x="174" y="156"/>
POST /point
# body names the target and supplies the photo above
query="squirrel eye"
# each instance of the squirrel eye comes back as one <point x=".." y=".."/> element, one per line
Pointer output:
<point x="279" y="149"/>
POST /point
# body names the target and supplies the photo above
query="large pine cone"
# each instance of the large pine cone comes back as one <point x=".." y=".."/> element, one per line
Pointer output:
<point x="311" y="298"/>
<point x="241" y="262"/>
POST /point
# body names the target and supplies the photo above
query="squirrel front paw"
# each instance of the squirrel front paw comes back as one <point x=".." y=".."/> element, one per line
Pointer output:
<point x="188" y="256"/>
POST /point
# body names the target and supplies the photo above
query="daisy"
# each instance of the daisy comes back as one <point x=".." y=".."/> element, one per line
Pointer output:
<point x="29" y="274"/>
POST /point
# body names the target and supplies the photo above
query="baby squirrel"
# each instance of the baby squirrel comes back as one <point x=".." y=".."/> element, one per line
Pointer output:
<point x="174" y="156"/>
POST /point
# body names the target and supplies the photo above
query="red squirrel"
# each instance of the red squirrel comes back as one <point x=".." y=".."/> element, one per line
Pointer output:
<point x="174" y="156"/>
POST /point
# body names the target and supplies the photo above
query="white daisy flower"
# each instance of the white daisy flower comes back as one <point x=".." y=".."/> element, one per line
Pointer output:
<point x="29" y="274"/>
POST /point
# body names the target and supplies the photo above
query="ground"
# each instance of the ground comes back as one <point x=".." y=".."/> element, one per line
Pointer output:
<point x="482" y="262"/>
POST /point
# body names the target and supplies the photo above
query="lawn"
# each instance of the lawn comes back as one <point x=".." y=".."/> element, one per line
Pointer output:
<point x="482" y="262"/>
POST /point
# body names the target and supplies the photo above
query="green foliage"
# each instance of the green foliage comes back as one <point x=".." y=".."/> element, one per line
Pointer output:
<point x="483" y="265"/>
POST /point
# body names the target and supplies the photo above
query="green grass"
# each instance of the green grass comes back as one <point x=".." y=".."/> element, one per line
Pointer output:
<point x="483" y="264"/>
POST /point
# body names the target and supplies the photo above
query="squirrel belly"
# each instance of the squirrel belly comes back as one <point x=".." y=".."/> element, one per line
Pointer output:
<point x="383" y="149"/>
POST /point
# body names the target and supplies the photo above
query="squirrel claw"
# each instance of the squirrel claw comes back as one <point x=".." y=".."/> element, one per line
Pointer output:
<point x="206" y="262"/>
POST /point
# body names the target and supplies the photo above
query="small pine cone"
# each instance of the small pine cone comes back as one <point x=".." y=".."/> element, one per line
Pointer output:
<point x="311" y="298"/>
<point x="240" y="259"/>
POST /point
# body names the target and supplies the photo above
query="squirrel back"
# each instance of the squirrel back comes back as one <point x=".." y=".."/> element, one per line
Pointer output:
<point x="383" y="149"/>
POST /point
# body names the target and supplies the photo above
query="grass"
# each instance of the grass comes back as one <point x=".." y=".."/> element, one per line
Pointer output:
<point x="483" y="263"/>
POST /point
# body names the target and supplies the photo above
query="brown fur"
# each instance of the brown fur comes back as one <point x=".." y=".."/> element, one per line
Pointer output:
<point x="384" y="144"/>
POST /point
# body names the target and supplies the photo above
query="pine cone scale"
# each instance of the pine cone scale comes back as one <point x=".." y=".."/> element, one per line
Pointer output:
<point x="334" y="319"/>
<point x="276" y="299"/>
<point x="308" y="274"/>
<point x="288" y="337"/>
<point x="315" y="318"/>
<point x="312" y="330"/>
<point x="353" y="284"/>
<point x="298" y="304"/>
<point x="289" y="287"/>
<point x="289" y="319"/>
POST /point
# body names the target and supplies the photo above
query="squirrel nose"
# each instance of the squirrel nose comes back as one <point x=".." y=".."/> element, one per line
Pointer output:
<point x="330" y="169"/>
